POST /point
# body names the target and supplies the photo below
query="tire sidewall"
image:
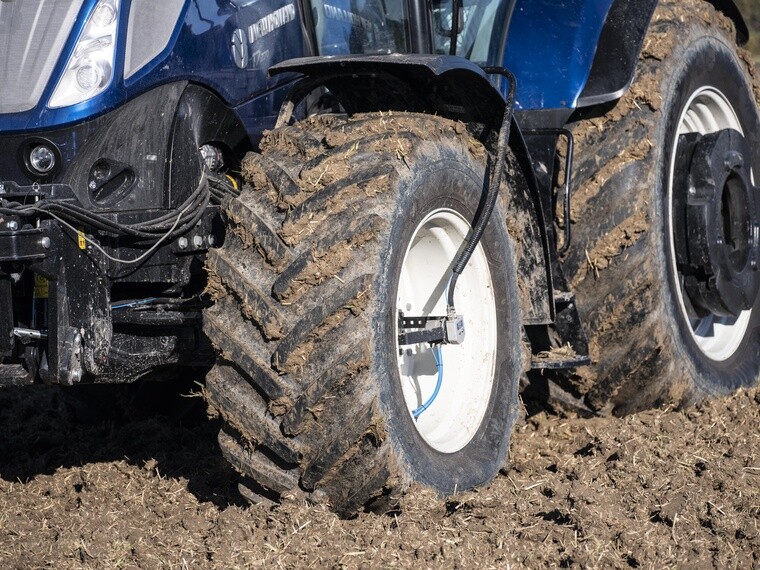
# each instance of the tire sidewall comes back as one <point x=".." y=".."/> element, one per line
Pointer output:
<point x="705" y="61"/>
<point x="442" y="176"/>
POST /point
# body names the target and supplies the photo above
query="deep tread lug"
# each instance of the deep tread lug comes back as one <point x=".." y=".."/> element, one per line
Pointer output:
<point x="239" y="404"/>
<point x="345" y="301"/>
<point x="256" y="465"/>
<point x="340" y="442"/>
<point x="349" y="364"/>
<point x="320" y="201"/>
<point x="355" y="234"/>
<point x="258" y="232"/>
<point x="278" y="177"/>
<point x="257" y="306"/>
<point x="233" y="350"/>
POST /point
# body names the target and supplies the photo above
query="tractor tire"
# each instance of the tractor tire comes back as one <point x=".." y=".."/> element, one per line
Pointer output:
<point x="648" y="349"/>
<point x="344" y="223"/>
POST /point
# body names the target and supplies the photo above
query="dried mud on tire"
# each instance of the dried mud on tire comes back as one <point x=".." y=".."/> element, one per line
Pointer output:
<point x="656" y="489"/>
<point x="622" y="266"/>
<point x="308" y="379"/>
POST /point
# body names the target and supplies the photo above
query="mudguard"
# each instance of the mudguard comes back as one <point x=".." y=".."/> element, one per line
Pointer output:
<point x="616" y="56"/>
<point x="455" y="88"/>
<point x="588" y="50"/>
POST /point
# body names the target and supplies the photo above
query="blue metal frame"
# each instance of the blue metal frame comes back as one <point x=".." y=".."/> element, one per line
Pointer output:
<point x="550" y="48"/>
<point x="199" y="51"/>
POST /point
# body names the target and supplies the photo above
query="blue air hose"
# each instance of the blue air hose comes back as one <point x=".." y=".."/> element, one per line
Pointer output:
<point x="438" y="356"/>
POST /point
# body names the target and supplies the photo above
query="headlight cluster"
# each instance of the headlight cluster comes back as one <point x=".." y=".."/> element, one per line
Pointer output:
<point x="89" y="70"/>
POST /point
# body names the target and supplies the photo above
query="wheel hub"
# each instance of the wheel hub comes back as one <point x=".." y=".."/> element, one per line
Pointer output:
<point x="446" y="385"/>
<point x="717" y="224"/>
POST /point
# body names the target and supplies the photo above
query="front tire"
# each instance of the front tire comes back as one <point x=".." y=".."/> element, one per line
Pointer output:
<point x="647" y="349"/>
<point x="349" y="221"/>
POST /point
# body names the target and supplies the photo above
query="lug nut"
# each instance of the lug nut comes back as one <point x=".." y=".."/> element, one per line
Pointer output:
<point x="182" y="243"/>
<point x="12" y="225"/>
<point x="45" y="242"/>
<point x="211" y="240"/>
<point x="198" y="241"/>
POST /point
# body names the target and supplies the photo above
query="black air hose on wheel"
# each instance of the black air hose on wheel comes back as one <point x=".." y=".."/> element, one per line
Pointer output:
<point x="492" y="191"/>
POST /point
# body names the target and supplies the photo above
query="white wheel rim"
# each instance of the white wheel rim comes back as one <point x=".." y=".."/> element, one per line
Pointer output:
<point x="707" y="111"/>
<point x="455" y="416"/>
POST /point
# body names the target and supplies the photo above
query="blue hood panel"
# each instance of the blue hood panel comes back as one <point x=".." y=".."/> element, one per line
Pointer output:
<point x="201" y="50"/>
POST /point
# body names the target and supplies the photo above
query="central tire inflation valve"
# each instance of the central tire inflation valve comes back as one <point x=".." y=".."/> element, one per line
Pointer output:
<point x="435" y="330"/>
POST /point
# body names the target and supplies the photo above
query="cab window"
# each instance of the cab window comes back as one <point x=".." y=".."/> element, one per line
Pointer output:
<point x="480" y="30"/>
<point x="361" y="26"/>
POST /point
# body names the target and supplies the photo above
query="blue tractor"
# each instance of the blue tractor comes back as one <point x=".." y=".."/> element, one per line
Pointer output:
<point x="370" y="220"/>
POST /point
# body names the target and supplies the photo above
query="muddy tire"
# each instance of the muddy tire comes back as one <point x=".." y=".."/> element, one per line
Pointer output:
<point x="648" y="349"/>
<point x="324" y="249"/>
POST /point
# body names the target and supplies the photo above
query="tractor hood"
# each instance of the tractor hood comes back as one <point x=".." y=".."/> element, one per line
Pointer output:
<point x="32" y="36"/>
<point x="66" y="62"/>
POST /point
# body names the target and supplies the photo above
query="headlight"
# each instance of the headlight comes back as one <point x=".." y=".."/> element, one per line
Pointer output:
<point x="42" y="159"/>
<point x="89" y="70"/>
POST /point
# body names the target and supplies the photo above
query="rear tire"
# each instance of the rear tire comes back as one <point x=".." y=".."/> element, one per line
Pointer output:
<point x="308" y="381"/>
<point x="691" y="78"/>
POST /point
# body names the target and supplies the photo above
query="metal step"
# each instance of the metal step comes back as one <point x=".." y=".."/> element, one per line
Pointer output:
<point x="563" y="298"/>
<point x="558" y="359"/>
<point x="569" y="332"/>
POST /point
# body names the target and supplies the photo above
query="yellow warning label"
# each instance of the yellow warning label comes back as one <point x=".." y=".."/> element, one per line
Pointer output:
<point x="80" y="240"/>
<point x="41" y="287"/>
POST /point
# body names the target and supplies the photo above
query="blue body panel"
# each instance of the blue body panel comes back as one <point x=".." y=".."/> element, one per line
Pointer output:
<point x="550" y="48"/>
<point x="199" y="51"/>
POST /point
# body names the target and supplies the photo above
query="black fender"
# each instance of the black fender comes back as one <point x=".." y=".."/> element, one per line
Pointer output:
<point x="147" y="149"/>
<point x="202" y="118"/>
<point x="620" y="43"/>
<point x="447" y="85"/>
<point x="455" y="88"/>
<point x="730" y="9"/>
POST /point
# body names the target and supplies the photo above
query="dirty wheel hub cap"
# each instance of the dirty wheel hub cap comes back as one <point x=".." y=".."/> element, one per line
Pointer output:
<point x="717" y="224"/>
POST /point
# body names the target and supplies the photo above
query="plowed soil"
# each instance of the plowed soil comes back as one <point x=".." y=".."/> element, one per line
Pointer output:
<point x="142" y="490"/>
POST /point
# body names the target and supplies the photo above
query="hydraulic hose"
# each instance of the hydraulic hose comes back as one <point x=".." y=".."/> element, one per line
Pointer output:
<point x="492" y="191"/>
<point x="175" y="222"/>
